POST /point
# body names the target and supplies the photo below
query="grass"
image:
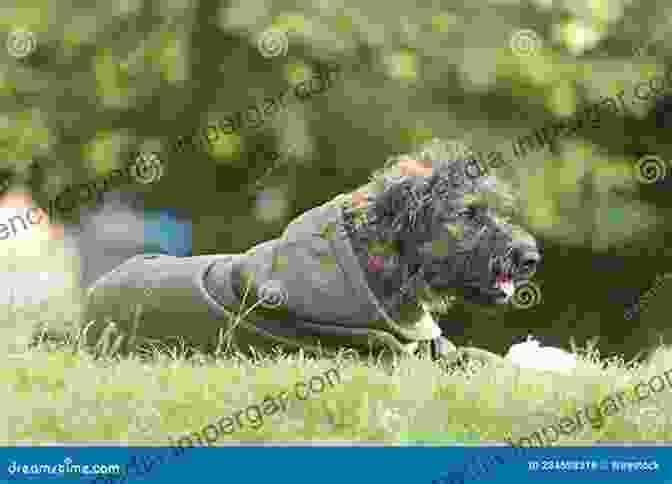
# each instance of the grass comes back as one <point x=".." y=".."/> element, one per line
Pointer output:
<point x="59" y="392"/>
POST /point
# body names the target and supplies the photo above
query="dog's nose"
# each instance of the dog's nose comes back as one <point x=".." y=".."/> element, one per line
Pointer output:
<point x="525" y="260"/>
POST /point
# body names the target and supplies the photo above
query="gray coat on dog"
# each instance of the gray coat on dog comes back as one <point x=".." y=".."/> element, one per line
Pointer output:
<point x="304" y="290"/>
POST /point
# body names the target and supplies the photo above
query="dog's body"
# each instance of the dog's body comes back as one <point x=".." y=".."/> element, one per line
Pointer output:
<point x="358" y="272"/>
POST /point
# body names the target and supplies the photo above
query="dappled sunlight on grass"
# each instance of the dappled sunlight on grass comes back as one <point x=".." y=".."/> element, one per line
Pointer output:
<point x="58" y="392"/>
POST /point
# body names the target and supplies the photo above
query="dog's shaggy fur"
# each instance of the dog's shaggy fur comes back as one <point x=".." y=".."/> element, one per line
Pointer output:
<point x="432" y="226"/>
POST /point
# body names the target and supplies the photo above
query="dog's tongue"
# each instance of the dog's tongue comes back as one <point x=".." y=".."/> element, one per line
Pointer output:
<point x="506" y="285"/>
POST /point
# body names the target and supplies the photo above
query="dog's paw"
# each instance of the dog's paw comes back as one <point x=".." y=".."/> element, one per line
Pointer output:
<point x="442" y="348"/>
<point x="451" y="356"/>
<point x="484" y="357"/>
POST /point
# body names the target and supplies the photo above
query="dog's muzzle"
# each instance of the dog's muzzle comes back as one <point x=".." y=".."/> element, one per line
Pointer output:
<point x="519" y="263"/>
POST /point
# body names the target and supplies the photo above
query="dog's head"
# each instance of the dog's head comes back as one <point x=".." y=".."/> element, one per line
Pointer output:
<point x="453" y="222"/>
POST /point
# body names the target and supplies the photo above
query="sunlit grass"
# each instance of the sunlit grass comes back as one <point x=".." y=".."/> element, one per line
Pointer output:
<point x="59" y="392"/>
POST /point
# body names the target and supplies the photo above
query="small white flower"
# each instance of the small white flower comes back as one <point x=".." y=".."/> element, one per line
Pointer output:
<point x="531" y="355"/>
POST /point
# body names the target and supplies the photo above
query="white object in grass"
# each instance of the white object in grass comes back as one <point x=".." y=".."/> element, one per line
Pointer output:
<point x="531" y="355"/>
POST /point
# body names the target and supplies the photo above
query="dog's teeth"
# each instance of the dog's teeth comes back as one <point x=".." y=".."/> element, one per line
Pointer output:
<point x="509" y="288"/>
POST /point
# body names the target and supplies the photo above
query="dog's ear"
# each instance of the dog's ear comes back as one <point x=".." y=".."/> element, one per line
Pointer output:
<point x="359" y="199"/>
<point x="403" y="208"/>
<point x="406" y="167"/>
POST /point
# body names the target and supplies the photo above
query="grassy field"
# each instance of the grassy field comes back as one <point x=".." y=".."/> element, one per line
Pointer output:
<point x="57" y="392"/>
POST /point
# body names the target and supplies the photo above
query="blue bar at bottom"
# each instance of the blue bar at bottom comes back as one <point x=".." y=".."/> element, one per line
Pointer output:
<point x="336" y="465"/>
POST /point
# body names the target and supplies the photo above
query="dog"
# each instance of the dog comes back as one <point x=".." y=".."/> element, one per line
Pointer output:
<point x="364" y="271"/>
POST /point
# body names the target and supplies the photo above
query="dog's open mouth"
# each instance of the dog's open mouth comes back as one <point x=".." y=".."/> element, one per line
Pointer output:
<point x="505" y="284"/>
<point x="502" y="268"/>
<point x="499" y="291"/>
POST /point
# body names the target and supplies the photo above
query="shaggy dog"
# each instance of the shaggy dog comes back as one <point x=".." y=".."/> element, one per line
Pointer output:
<point x="363" y="271"/>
